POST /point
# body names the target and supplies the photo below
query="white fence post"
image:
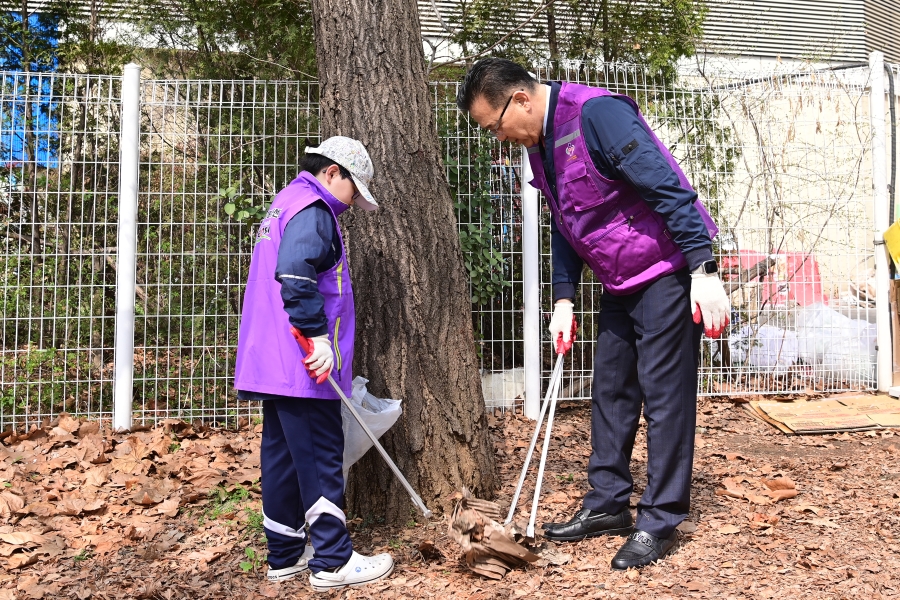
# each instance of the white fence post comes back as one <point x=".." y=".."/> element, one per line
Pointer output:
<point x="884" y="360"/>
<point x="531" y="279"/>
<point x="129" y="148"/>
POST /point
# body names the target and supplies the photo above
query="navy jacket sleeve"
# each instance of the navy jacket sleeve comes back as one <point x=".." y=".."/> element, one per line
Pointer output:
<point x="567" y="265"/>
<point x="307" y="247"/>
<point x="622" y="148"/>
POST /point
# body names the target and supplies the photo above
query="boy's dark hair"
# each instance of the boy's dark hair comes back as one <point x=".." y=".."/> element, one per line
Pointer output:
<point x="316" y="163"/>
<point x="492" y="79"/>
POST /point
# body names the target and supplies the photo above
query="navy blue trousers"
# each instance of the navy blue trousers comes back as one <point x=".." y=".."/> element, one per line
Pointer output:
<point x="301" y="457"/>
<point x="647" y="356"/>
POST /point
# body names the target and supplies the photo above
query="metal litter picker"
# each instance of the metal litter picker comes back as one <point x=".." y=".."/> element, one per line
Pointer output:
<point x="549" y="400"/>
<point x="306" y="347"/>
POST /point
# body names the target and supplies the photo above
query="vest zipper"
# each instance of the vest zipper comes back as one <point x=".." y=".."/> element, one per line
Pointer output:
<point x="613" y="228"/>
<point x="337" y="347"/>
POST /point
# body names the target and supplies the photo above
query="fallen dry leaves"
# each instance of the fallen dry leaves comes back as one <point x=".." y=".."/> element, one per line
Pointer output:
<point x="173" y="513"/>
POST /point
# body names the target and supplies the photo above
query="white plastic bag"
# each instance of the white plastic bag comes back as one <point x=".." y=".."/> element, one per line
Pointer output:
<point x="379" y="415"/>
<point x="839" y="348"/>
<point x="764" y="346"/>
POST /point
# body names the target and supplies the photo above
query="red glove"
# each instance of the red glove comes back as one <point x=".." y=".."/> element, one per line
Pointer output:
<point x="319" y="356"/>
<point x="562" y="345"/>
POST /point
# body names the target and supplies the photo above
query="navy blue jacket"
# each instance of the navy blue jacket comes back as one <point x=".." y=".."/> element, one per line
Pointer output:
<point x="605" y="121"/>
<point x="310" y="245"/>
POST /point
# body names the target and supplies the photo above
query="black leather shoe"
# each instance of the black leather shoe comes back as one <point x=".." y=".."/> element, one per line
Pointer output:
<point x="641" y="549"/>
<point x="587" y="523"/>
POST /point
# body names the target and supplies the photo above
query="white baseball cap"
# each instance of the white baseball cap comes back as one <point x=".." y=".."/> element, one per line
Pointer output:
<point x="351" y="155"/>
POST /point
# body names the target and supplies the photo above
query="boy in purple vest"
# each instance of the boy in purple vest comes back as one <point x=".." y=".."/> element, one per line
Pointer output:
<point x="620" y="204"/>
<point x="299" y="277"/>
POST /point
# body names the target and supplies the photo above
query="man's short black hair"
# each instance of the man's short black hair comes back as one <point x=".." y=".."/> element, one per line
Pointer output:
<point x="316" y="163"/>
<point x="493" y="79"/>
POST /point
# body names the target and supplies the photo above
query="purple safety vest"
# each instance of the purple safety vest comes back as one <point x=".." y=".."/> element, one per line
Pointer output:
<point x="268" y="358"/>
<point x="623" y="240"/>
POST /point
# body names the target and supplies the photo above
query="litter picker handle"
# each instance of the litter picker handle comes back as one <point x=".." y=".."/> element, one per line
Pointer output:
<point x="307" y="348"/>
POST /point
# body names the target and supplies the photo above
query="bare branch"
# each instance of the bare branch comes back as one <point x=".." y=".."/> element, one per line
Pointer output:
<point x="18" y="236"/>
<point x="443" y="23"/>
<point x="748" y="275"/>
<point x="137" y="287"/>
<point x="498" y="42"/>
<point x="275" y="64"/>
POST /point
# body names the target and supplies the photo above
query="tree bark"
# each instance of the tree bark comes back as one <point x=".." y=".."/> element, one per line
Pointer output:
<point x="551" y="33"/>
<point x="414" y="338"/>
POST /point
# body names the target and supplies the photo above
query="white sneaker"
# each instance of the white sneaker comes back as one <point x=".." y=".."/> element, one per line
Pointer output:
<point x="359" y="570"/>
<point x="291" y="572"/>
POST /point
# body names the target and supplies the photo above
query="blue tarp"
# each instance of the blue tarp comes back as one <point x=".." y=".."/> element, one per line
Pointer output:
<point x="32" y="91"/>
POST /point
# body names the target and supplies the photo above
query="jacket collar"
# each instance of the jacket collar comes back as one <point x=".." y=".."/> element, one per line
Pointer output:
<point x="336" y="206"/>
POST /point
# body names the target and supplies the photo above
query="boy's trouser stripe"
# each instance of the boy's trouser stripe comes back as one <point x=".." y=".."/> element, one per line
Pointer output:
<point x="282" y="529"/>
<point x="324" y="506"/>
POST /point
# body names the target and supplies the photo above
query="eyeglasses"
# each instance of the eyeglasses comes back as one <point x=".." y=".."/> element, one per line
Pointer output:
<point x="496" y="128"/>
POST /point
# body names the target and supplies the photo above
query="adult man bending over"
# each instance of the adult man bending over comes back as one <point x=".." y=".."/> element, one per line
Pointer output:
<point x="621" y="204"/>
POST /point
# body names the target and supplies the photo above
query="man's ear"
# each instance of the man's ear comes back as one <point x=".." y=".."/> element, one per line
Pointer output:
<point x="523" y="98"/>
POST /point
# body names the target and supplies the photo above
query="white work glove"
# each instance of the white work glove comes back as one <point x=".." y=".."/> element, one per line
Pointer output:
<point x="321" y="359"/>
<point x="561" y="323"/>
<point x="710" y="302"/>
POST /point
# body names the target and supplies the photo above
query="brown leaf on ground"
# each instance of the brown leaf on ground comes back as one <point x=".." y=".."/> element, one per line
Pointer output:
<point x="148" y="496"/>
<point x="761" y="521"/>
<point x="68" y="424"/>
<point x="17" y="561"/>
<point x="93" y="449"/>
<point x="40" y="509"/>
<point x="687" y="527"/>
<point x="245" y="476"/>
<point x="732" y="488"/>
<point x="557" y="498"/>
<point x="104" y="543"/>
<point x="781" y="483"/>
<point x="168" y="507"/>
<point x="553" y="556"/>
<point x="781" y="494"/>
<point x="808" y="507"/>
<point x="88" y="428"/>
<point x="54" y="546"/>
<point x="10" y="503"/>
<point x="95" y="504"/>
<point x="22" y="538"/>
<point x="696" y="586"/>
<point x="26" y="582"/>
<point x="209" y="554"/>
<point x="729" y="529"/>
<point x="71" y="507"/>
<point x="97" y="476"/>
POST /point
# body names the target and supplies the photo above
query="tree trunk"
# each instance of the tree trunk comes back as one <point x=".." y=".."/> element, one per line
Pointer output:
<point x="604" y="7"/>
<point x="414" y="338"/>
<point x="551" y="33"/>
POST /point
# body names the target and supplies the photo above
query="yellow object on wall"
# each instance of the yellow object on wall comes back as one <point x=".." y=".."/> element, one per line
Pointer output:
<point x="892" y="239"/>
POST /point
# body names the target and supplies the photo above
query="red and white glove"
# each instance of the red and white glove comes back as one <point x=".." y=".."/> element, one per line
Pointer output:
<point x="562" y="324"/>
<point x="321" y="358"/>
<point x="710" y="303"/>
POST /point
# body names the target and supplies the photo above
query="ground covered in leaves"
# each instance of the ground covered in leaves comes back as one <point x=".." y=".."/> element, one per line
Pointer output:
<point x="174" y="512"/>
